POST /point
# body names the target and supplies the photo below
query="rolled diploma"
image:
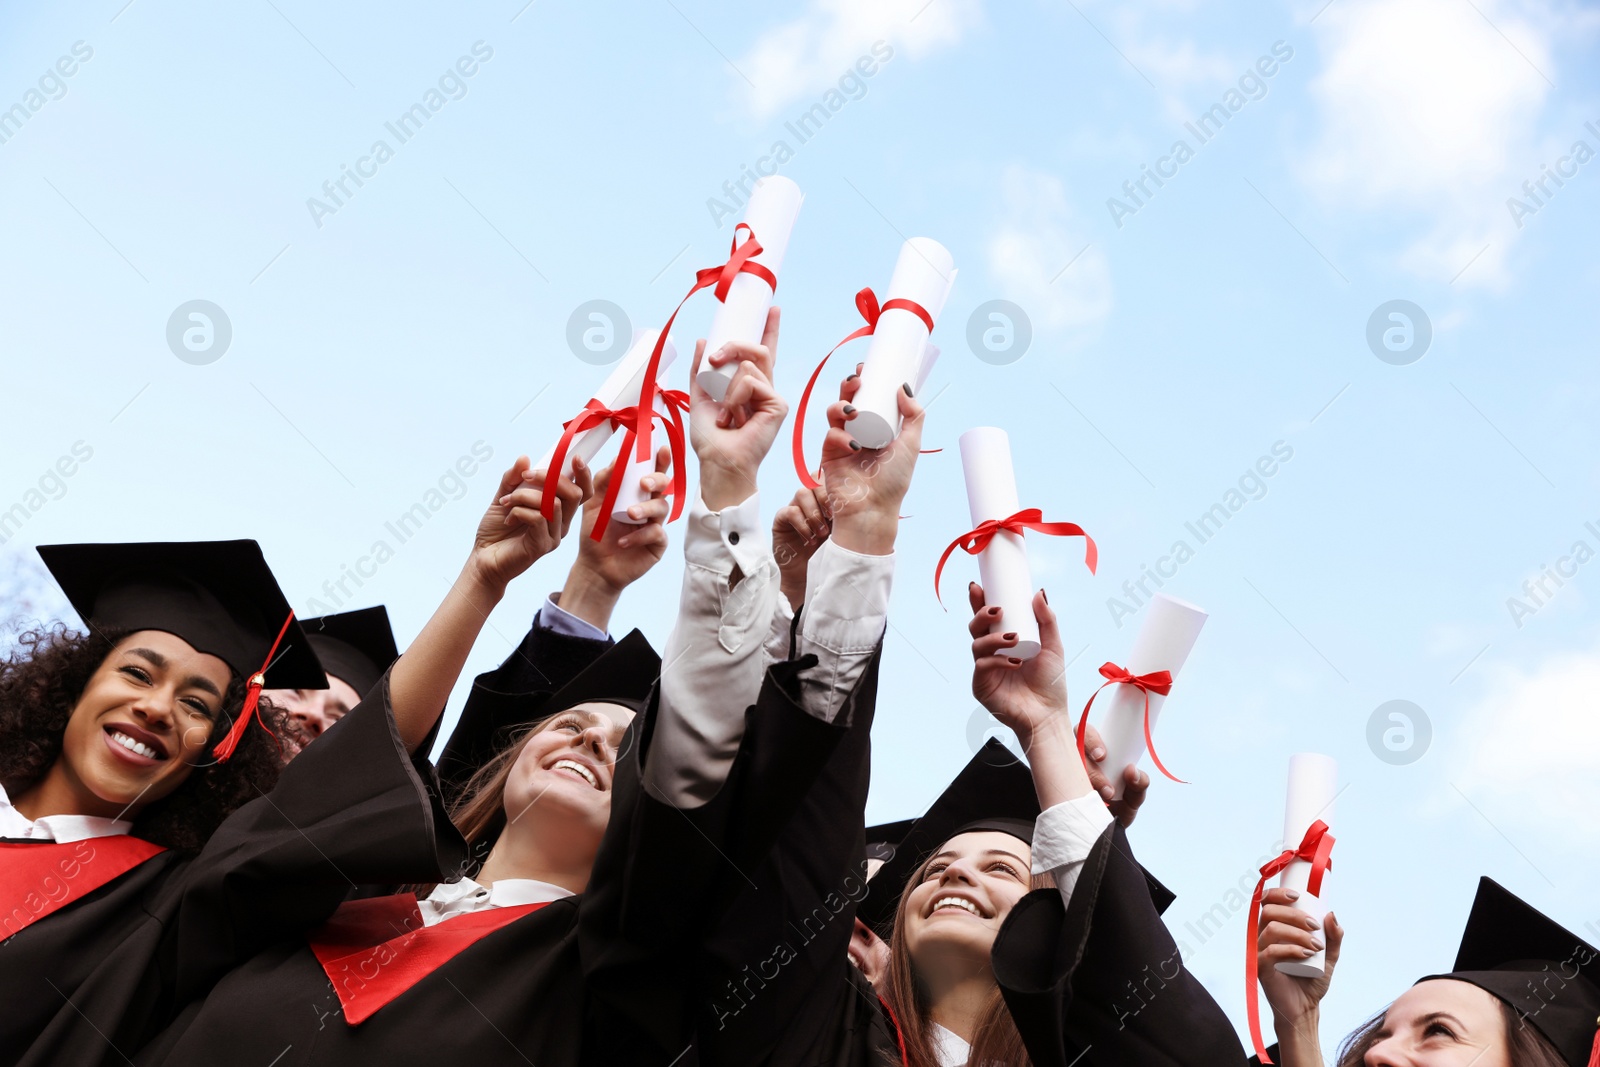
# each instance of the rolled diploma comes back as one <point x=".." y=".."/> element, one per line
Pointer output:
<point x="620" y="390"/>
<point x="1165" y="638"/>
<point x="632" y="468"/>
<point x="930" y="356"/>
<point x="770" y="214"/>
<point x="923" y="274"/>
<point x="1003" y="566"/>
<point x="1313" y="783"/>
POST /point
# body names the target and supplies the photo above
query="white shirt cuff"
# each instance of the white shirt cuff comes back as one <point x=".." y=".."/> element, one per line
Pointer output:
<point x="1064" y="836"/>
<point x="847" y="599"/>
<point x="733" y="536"/>
<point x="558" y="620"/>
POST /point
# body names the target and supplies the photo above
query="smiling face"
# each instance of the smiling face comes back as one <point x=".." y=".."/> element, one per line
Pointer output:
<point x="1441" y="1023"/>
<point x="311" y="711"/>
<point x="966" y="890"/>
<point x="141" y="724"/>
<point x="566" y="766"/>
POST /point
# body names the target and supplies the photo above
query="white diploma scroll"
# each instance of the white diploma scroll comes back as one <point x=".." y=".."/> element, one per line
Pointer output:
<point x="923" y="274"/>
<point x="620" y="390"/>
<point x="770" y="214"/>
<point x="1003" y="566"/>
<point x="1165" y="638"/>
<point x="1313" y="784"/>
<point x="627" y="465"/>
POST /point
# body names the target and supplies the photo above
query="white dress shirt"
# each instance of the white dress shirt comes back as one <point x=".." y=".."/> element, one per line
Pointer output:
<point x="556" y="619"/>
<point x="62" y="829"/>
<point x="466" y="896"/>
<point x="949" y="1047"/>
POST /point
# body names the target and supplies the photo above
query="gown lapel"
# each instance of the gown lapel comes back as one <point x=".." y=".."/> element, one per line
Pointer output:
<point x="40" y="878"/>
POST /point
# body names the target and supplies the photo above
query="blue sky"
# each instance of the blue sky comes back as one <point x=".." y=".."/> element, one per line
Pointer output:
<point x="1175" y="340"/>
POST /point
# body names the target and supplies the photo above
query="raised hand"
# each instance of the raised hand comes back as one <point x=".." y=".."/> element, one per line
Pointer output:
<point x="731" y="439"/>
<point x="798" y="530"/>
<point x="513" y="533"/>
<point x="867" y="486"/>
<point x="1135" y="783"/>
<point x="1289" y="934"/>
<point x="1025" y="695"/>
<point x="606" y="567"/>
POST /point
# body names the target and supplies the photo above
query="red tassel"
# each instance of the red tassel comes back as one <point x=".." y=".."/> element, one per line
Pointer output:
<point x="1594" y="1050"/>
<point x="252" y="696"/>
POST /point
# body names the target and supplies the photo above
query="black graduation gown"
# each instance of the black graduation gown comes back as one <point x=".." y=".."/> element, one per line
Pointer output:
<point x="779" y="989"/>
<point x="594" y="979"/>
<point x="91" y="982"/>
<point x="503" y="698"/>
<point x="1100" y="981"/>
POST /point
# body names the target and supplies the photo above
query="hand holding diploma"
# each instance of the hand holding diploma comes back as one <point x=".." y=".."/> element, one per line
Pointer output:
<point x="1287" y="934"/>
<point x="731" y="439"/>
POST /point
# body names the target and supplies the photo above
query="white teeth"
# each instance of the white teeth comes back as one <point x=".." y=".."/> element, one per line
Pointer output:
<point x="957" y="902"/>
<point x="577" y="768"/>
<point x="134" y="746"/>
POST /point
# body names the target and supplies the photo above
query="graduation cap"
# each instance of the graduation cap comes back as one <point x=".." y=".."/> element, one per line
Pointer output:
<point x="624" y="674"/>
<point x="219" y="596"/>
<point x="356" y="647"/>
<point x="1547" y="974"/>
<point x="994" y="791"/>
<point x="884" y="839"/>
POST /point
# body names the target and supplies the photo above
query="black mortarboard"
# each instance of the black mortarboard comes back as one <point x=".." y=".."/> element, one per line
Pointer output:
<point x="884" y="839"/>
<point x="354" y="646"/>
<point x="994" y="791"/>
<point x="219" y="596"/>
<point x="1547" y="974"/>
<point x="624" y="674"/>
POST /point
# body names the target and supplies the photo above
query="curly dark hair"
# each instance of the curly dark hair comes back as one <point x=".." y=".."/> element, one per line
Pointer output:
<point x="40" y="683"/>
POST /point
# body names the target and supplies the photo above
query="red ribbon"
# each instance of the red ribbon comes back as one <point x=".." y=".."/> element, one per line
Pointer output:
<point x="867" y="304"/>
<point x="639" y="419"/>
<point x="676" y="402"/>
<point x="1316" y="848"/>
<point x="1154" y="682"/>
<point x="975" y="541"/>
<point x="252" y="696"/>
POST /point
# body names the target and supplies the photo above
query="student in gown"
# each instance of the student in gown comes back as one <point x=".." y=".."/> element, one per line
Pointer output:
<point x="599" y="876"/>
<point x="356" y="648"/>
<point x="151" y="842"/>
<point x="1524" y="992"/>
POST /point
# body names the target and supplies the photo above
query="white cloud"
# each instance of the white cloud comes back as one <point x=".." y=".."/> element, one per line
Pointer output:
<point x="1530" y="754"/>
<point x="1037" y="237"/>
<point x="1427" y="109"/>
<point x="804" y="58"/>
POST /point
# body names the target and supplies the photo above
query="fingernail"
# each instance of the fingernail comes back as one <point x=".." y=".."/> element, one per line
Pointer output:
<point x="852" y="377"/>
<point x="1014" y="661"/>
<point x="907" y="387"/>
<point x="1045" y="595"/>
<point x="1308" y="952"/>
<point x="855" y="446"/>
<point x="994" y="611"/>
<point x="1008" y="637"/>
<point x="849" y="409"/>
<point x="1292" y="894"/>
<point x="1317" y="941"/>
<point x="1097" y="754"/>
<point x="972" y="585"/>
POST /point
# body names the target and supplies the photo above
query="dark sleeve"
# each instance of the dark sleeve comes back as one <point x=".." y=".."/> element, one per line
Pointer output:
<point x="1102" y="979"/>
<point x="503" y="699"/>
<point x="775" y="972"/>
<point x="352" y="809"/>
<point x="665" y="875"/>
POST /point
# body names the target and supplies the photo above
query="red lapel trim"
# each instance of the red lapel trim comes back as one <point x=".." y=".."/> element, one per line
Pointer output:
<point x="40" y="879"/>
<point x="374" y="950"/>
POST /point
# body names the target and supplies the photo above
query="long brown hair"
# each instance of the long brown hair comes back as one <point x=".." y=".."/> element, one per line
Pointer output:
<point x="995" y="1040"/>
<point x="1525" y="1046"/>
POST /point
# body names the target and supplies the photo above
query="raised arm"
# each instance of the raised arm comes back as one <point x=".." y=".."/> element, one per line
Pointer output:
<point x="1286" y="933"/>
<point x="511" y="536"/>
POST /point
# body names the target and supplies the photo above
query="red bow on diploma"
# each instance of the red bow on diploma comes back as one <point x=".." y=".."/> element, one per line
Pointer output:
<point x="593" y="414"/>
<point x="252" y="696"/>
<point x="1316" y="848"/>
<point x="1154" y="682"/>
<point x="975" y="541"/>
<point x="867" y="304"/>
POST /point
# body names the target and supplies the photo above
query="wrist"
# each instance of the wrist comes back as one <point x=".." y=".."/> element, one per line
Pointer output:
<point x="479" y="585"/>
<point x="724" y="486"/>
<point x="1298" y="1036"/>
<point x="867" y="534"/>
<point x="589" y="596"/>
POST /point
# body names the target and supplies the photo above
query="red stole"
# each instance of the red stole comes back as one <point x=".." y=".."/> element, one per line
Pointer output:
<point x="374" y="950"/>
<point x="40" y="879"/>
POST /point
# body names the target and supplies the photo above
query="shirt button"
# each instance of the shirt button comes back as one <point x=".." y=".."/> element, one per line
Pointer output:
<point x="733" y="538"/>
